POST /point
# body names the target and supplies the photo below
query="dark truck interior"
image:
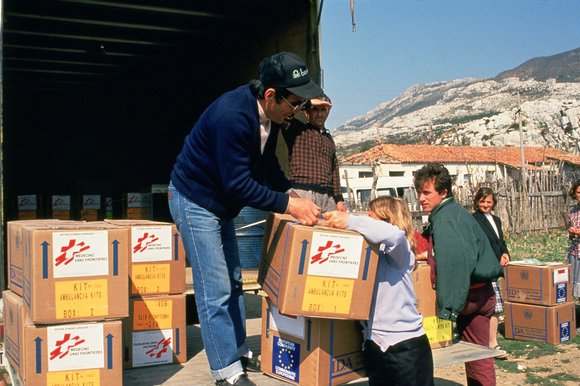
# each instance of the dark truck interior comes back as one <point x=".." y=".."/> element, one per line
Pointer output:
<point x="98" y="95"/>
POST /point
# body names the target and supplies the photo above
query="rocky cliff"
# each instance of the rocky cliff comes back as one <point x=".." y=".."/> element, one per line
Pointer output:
<point x="542" y="96"/>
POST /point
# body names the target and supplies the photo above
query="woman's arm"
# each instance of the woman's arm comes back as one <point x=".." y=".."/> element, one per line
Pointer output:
<point x="392" y="240"/>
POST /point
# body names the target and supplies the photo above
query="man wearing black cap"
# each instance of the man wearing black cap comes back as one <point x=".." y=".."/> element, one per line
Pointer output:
<point x="227" y="162"/>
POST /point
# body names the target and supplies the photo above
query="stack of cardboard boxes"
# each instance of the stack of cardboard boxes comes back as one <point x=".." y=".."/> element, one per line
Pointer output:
<point x="538" y="302"/>
<point x="88" y="299"/>
<point x="63" y="311"/>
<point x="320" y="284"/>
<point x="155" y="332"/>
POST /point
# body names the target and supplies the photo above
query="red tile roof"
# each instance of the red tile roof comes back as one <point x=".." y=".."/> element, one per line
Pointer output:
<point x="510" y="156"/>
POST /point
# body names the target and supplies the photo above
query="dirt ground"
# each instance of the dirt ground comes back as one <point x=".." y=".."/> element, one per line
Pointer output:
<point x="521" y="368"/>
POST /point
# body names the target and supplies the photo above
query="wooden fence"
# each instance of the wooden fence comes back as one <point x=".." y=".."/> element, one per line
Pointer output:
<point x="540" y="204"/>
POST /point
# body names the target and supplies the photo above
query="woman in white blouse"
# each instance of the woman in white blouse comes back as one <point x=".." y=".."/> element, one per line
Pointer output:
<point x="484" y="202"/>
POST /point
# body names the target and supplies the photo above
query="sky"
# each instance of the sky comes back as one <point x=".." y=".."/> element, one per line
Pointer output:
<point x="401" y="43"/>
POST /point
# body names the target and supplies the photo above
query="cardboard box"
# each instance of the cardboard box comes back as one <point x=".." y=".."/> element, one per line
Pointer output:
<point x="74" y="354"/>
<point x="156" y="257"/>
<point x="545" y="284"/>
<point x="89" y="215"/>
<point x="426" y="295"/>
<point x="15" y="250"/>
<point x="310" y="351"/>
<point x="138" y="206"/>
<point x="71" y="271"/>
<point x="92" y="208"/>
<point x="439" y="331"/>
<point x="61" y="207"/>
<point x="317" y="271"/>
<point x="155" y="332"/>
<point x="552" y="325"/>
<point x="28" y="215"/>
<point x="30" y="207"/>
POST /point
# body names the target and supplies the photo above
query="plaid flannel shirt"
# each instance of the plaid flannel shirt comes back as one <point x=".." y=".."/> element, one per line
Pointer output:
<point x="313" y="162"/>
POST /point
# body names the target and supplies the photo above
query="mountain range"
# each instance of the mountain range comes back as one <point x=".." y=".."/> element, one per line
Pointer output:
<point x="534" y="104"/>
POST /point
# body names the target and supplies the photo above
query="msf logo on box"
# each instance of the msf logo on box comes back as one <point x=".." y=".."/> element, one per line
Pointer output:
<point x="64" y="346"/>
<point x="325" y="252"/>
<point x="144" y="242"/>
<point x="68" y="252"/>
<point x="161" y="348"/>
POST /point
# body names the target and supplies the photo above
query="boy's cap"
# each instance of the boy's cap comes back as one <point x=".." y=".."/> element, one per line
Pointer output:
<point x="288" y="70"/>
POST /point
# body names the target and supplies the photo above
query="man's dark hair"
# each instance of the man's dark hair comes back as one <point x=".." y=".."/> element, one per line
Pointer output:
<point x="258" y="89"/>
<point x="437" y="173"/>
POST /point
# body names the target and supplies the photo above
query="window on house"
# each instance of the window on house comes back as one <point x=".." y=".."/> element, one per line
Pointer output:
<point x="394" y="173"/>
<point x="364" y="196"/>
<point x="365" y="174"/>
<point x="466" y="179"/>
<point x="489" y="176"/>
<point x="386" y="192"/>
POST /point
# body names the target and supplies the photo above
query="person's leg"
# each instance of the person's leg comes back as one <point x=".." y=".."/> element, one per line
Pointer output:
<point x="575" y="263"/>
<point x="377" y="371"/>
<point x="493" y="323"/>
<point x="407" y="363"/>
<point x="473" y="326"/>
<point x="237" y="306"/>
<point x="217" y="283"/>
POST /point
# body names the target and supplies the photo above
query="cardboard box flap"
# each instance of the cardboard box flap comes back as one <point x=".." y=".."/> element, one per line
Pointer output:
<point x="536" y="263"/>
<point x="136" y="222"/>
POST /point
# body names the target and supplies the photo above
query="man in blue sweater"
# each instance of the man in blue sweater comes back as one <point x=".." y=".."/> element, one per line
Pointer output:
<point x="227" y="162"/>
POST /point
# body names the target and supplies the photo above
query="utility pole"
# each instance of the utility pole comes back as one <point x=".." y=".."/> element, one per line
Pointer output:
<point x="524" y="196"/>
<point x="522" y="155"/>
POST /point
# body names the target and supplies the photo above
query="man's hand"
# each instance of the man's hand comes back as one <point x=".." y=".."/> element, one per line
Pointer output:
<point x="303" y="210"/>
<point x="504" y="259"/>
<point x="336" y="219"/>
<point x="340" y="206"/>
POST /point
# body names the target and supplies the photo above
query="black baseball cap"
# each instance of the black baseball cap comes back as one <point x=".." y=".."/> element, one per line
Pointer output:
<point x="288" y="70"/>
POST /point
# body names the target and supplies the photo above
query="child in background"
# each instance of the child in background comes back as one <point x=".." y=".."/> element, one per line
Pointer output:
<point x="396" y="349"/>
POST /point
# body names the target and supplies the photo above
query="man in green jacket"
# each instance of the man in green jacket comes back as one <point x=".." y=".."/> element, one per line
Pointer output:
<point x="464" y="266"/>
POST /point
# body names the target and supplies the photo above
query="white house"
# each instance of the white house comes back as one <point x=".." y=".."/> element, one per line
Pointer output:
<point x="393" y="166"/>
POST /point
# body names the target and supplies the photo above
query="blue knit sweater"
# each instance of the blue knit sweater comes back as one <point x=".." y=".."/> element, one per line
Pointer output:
<point x="221" y="168"/>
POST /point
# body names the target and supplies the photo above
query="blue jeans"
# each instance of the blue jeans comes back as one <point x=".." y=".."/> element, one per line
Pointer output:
<point x="212" y="251"/>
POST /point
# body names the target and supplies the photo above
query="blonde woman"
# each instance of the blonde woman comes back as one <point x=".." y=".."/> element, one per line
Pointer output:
<point x="396" y="349"/>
